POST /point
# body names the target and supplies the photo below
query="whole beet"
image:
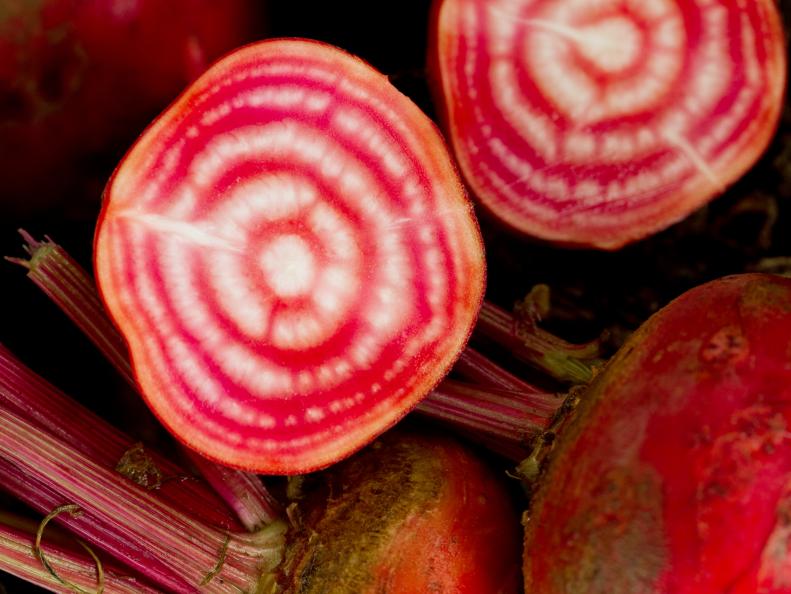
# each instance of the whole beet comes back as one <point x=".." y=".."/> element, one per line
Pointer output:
<point x="80" y="79"/>
<point x="413" y="513"/>
<point x="675" y="475"/>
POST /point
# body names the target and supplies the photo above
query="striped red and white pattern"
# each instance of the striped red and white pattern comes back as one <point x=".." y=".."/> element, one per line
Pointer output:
<point x="291" y="257"/>
<point x="598" y="122"/>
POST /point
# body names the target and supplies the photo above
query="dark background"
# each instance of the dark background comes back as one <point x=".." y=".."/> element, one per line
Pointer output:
<point x="746" y="229"/>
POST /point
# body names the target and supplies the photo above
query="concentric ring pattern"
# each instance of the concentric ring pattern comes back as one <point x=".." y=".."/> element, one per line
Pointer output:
<point x="291" y="257"/>
<point x="597" y="122"/>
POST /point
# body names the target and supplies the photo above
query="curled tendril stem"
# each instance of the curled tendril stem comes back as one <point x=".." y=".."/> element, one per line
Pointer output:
<point x="73" y="510"/>
<point x="220" y="562"/>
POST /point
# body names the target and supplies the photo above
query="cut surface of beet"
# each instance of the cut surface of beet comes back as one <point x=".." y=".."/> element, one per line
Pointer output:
<point x="599" y="123"/>
<point x="291" y="257"/>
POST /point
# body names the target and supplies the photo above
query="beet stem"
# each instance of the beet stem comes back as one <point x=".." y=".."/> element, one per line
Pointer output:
<point x="38" y="402"/>
<point x="504" y="420"/>
<point x="139" y="527"/>
<point x="481" y="370"/>
<point x="564" y="361"/>
<point x="72" y="289"/>
<point x="243" y="492"/>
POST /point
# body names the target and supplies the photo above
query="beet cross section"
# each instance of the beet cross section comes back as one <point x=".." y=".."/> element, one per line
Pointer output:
<point x="597" y="123"/>
<point x="290" y="256"/>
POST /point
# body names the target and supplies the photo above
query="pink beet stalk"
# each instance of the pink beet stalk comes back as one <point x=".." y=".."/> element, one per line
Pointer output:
<point x="506" y="421"/>
<point x="40" y="403"/>
<point x="674" y="474"/>
<point x="599" y="123"/>
<point x="159" y="541"/>
<point x="290" y="256"/>
<point x="158" y="537"/>
<point x="72" y="569"/>
<point x="242" y="491"/>
<point x="481" y="370"/>
<point x="70" y="287"/>
<point x="562" y="360"/>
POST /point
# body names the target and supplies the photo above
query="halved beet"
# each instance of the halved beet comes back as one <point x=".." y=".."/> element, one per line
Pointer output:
<point x="291" y="257"/>
<point x="674" y="476"/>
<point x="599" y="123"/>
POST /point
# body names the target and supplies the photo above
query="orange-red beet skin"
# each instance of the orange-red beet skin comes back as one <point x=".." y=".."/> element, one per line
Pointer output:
<point x="411" y="514"/>
<point x="462" y="542"/>
<point x="675" y="476"/>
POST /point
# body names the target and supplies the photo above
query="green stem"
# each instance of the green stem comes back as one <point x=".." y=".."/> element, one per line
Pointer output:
<point x="564" y="361"/>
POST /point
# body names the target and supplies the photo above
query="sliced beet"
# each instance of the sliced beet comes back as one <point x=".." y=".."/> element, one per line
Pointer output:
<point x="291" y="257"/>
<point x="674" y="477"/>
<point x="599" y="123"/>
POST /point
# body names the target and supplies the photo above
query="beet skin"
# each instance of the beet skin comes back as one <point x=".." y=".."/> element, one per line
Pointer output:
<point x="80" y="80"/>
<point x="411" y="514"/>
<point x="675" y="475"/>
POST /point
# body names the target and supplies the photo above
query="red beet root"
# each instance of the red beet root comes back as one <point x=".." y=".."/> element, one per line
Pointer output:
<point x="80" y="80"/>
<point x="291" y="258"/>
<point x="599" y="123"/>
<point x="411" y="514"/>
<point x="675" y="477"/>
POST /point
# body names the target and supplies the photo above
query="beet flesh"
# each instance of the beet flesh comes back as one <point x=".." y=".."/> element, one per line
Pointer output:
<point x="412" y="513"/>
<point x="674" y="476"/>
<point x="600" y="123"/>
<point x="290" y="256"/>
